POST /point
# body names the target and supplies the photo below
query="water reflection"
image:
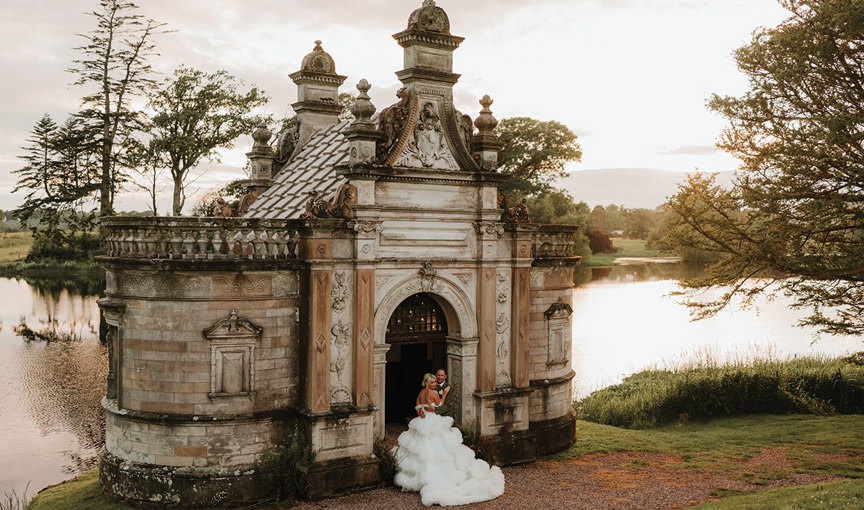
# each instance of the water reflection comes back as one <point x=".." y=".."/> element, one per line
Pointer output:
<point x="52" y="425"/>
<point x="625" y="320"/>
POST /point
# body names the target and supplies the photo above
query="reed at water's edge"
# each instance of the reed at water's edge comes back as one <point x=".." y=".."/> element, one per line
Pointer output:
<point x="706" y="389"/>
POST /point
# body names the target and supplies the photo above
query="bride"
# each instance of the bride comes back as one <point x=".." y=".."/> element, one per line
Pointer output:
<point x="431" y="458"/>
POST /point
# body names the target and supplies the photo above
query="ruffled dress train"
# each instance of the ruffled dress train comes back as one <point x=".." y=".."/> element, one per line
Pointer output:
<point x="431" y="459"/>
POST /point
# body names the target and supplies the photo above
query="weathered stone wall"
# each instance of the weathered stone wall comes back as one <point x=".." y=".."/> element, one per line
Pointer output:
<point x="551" y="337"/>
<point x="229" y="444"/>
<point x="208" y="378"/>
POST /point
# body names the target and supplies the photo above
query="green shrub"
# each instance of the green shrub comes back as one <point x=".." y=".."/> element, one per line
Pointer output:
<point x="56" y="244"/>
<point x="292" y="461"/>
<point x="708" y="390"/>
<point x="388" y="461"/>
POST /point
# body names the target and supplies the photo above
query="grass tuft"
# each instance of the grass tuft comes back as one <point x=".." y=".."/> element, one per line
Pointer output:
<point x="707" y="389"/>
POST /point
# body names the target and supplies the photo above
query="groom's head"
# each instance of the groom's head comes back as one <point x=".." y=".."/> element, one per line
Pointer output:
<point x="441" y="375"/>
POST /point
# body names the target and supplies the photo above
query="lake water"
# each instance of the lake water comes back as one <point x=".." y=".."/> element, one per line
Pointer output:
<point x="51" y="426"/>
<point x="625" y="320"/>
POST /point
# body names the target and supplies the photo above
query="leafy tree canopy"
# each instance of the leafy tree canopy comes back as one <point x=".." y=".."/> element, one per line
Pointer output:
<point x="794" y="220"/>
<point x="535" y="154"/>
<point x="197" y="113"/>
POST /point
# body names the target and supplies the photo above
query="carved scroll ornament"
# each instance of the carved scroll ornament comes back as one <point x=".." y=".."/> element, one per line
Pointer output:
<point x="338" y="206"/>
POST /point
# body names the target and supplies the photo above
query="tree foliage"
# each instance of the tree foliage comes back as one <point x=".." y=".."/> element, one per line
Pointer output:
<point x="557" y="207"/>
<point x="535" y="154"/>
<point x="196" y="113"/>
<point x="794" y="219"/>
<point x="114" y="68"/>
<point x="59" y="174"/>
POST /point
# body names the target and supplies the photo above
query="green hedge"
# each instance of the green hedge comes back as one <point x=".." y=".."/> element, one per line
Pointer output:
<point x="801" y="385"/>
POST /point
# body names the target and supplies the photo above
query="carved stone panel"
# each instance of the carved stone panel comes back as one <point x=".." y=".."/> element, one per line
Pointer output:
<point x="427" y="145"/>
<point x="557" y="327"/>
<point x="502" y="325"/>
<point x="232" y="356"/>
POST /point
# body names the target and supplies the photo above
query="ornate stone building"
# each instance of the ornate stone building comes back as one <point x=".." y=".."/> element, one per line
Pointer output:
<point x="367" y="253"/>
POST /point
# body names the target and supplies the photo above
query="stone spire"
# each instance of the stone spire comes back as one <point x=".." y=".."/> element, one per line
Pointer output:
<point x="485" y="143"/>
<point x="318" y="84"/>
<point x="362" y="134"/>
<point x="428" y="47"/>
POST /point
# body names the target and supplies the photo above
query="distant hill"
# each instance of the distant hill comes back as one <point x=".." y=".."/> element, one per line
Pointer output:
<point x="630" y="187"/>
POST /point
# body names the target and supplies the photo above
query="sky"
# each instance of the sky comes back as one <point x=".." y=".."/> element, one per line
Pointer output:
<point x="629" y="77"/>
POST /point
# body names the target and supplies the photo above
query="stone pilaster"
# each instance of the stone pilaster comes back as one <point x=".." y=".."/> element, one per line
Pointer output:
<point x="521" y="343"/>
<point x="462" y="363"/>
<point x="487" y="329"/>
<point x="317" y="376"/>
<point x="364" y="337"/>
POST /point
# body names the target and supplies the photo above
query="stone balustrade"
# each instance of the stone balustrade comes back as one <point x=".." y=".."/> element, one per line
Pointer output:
<point x="555" y="241"/>
<point x="199" y="238"/>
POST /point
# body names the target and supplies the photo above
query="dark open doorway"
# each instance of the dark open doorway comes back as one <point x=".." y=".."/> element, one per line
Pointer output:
<point x="417" y="333"/>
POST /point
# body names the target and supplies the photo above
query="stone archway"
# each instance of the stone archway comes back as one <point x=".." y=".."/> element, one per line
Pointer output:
<point x="461" y="350"/>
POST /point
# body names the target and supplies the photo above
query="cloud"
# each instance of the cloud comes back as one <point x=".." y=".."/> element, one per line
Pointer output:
<point x="690" y="150"/>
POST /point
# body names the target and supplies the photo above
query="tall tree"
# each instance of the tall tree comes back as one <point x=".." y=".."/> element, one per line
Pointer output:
<point x="196" y="113"/>
<point x="535" y="153"/>
<point x="58" y="174"/>
<point x="794" y="219"/>
<point x="115" y="69"/>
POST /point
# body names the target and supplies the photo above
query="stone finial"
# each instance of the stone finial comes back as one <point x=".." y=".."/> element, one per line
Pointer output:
<point x="318" y="61"/>
<point x="362" y="134"/>
<point x="261" y="135"/>
<point x="363" y="108"/>
<point x="428" y="3"/>
<point x="485" y="122"/>
<point x="485" y="144"/>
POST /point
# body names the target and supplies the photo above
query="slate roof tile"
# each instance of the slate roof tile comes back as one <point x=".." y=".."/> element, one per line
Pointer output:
<point x="311" y="169"/>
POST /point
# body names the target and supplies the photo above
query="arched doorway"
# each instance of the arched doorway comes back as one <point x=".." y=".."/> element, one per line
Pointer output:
<point x="417" y="333"/>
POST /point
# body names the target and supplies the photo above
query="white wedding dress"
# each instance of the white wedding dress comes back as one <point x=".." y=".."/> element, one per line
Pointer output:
<point x="431" y="459"/>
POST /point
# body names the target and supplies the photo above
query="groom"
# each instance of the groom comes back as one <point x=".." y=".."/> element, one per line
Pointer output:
<point x="448" y="406"/>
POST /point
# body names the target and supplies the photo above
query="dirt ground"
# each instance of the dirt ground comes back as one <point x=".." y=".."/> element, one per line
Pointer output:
<point x="619" y="480"/>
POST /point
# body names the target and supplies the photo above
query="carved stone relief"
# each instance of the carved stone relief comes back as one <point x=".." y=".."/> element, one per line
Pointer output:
<point x="340" y="291"/>
<point x="161" y="286"/>
<point x="427" y="147"/>
<point x="286" y="284"/>
<point x="340" y="354"/>
<point x="502" y="329"/>
<point x="241" y="285"/>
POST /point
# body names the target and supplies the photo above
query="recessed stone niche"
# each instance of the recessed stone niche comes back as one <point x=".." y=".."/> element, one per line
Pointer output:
<point x="558" y="330"/>
<point x="232" y="356"/>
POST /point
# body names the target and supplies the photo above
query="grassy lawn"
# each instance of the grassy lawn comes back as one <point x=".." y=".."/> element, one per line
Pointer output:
<point x="813" y="444"/>
<point x="626" y="248"/>
<point x="832" y="495"/>
<point x="14" y="245"/>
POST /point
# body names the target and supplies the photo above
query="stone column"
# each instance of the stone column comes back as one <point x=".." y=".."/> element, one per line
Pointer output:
<point x="317" y="377"/>
<point x="379" y="376"/>
<point x="462" y="363"/>
<point x="521" y="312"/>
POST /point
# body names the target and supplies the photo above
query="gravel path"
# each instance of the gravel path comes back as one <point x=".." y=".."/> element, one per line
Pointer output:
<point x="620" y="481"/>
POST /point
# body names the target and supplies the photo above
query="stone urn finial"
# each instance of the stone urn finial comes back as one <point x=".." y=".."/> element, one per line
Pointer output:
<point x="428" y="3"/>
<point x="485" y="122"/>
<point x="363" y="107"/>
<point x="261" y="135"/>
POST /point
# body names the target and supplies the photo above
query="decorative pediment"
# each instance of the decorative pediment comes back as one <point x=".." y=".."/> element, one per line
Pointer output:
<point x="232" y="327"/>
<point x="423" y="130"/>
<point x="558" y="309"/>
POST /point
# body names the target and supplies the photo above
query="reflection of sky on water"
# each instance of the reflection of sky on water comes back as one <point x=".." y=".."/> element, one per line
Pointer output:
<point x="624" y="321"/>
<point x="50" y="419"/>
